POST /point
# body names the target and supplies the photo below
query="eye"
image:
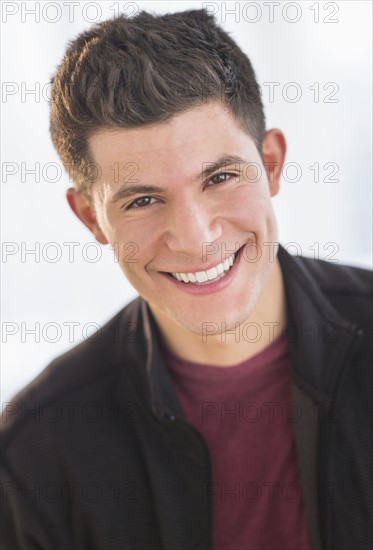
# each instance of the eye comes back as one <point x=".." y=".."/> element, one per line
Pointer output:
<point x="141" y="202"/>
<point x="222" y="177"/>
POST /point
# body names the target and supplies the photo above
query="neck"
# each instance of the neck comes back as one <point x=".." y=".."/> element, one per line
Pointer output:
<point x="241" y="342"/>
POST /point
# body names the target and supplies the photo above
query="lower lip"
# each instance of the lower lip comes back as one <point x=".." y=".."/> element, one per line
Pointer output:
<point x="212" y="287"/>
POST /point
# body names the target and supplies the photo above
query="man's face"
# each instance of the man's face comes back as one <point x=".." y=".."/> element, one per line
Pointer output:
<point x="191" y="222"/>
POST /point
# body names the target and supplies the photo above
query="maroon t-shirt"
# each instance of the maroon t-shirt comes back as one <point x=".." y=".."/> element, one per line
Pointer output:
<point x="246" y="416"/>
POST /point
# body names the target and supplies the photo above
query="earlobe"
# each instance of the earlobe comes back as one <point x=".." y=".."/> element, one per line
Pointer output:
<point x="274" y="151"/>
<point x="85" y="212"/>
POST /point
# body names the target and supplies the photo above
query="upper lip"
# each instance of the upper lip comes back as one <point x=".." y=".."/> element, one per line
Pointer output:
<point x="205" y="266"/>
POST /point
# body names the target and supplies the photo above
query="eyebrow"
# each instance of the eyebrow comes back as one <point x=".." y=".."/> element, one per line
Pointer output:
<point x="208" y="169"/>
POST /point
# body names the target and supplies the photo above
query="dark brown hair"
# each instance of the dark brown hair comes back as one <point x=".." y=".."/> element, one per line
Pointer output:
<point x="143" y="70"/>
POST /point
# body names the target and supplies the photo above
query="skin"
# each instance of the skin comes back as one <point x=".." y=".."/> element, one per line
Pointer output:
<point x="171" y="232"/>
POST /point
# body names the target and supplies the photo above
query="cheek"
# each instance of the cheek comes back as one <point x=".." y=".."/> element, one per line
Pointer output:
<point x="136" y="274"/>
<point x="146" y="231"/>
<point x="132" y="239"/>
<point x="249" y="207"/>
<point x="135" y="245"/>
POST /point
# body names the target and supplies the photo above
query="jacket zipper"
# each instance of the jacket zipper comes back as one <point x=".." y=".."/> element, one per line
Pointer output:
<point x="199" y="436"/>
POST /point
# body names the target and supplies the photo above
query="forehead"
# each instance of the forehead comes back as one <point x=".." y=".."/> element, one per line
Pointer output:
<point x="191" y="138"/>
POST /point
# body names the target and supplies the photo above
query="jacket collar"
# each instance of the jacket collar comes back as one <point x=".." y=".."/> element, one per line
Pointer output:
<point x="321" y="340"/>
<point x="163" y="398"/>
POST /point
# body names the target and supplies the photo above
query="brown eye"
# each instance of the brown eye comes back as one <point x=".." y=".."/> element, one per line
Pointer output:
<point x="222" y="177"/>
<point x="141" y="202"/>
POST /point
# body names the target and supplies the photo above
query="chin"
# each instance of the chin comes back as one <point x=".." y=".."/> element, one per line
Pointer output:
<point x="217" y="321"/>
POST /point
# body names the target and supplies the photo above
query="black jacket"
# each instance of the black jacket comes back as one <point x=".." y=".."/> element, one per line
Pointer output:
<point x="97" y="453"/>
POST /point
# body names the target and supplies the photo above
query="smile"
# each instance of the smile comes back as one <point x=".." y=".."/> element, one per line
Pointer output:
<point x="207" y="277"/>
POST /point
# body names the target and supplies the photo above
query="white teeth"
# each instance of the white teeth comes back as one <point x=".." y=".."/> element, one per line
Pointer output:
<point x="201" y="276"/>
<point x="211" y="273"/>
<point x="204" y="276"/>
<point x="220" y="269"/>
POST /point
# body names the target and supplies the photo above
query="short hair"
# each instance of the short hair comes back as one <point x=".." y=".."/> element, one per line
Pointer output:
<point x="143" y="70"/>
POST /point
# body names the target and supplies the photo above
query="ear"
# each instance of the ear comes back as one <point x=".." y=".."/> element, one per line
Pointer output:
<point x="85" y="212"/>
<point x="274" y="151"/>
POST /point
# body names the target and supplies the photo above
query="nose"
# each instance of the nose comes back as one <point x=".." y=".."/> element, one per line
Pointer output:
<point x="189" y="227"/>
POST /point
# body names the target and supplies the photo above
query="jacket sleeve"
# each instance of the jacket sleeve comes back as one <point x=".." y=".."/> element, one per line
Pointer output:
<point x="20" y="526"/>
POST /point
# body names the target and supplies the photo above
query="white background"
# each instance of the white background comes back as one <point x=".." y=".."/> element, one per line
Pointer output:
<point x="311" y="51"/>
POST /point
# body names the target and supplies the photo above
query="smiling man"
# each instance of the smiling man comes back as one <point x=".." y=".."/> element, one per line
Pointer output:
<point x="187" y="226"/>
<point x="228" y="406"/>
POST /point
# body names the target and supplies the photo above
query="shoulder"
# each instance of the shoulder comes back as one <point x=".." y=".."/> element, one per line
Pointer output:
<point x="334" y="278"/>
<point x="347" y="288"/>
<point x="87" y="373"/>
<point x="336" y="290"/>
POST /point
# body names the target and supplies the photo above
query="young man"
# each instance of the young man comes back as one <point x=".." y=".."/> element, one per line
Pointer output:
<point x="228" y="406"/>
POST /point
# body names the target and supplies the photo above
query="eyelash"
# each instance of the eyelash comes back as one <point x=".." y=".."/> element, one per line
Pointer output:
<point x="133" y="203"/>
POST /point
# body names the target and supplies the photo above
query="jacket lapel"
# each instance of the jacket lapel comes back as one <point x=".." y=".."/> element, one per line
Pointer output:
<point x="321" y="343"/>
<point x="177" y="458"/>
